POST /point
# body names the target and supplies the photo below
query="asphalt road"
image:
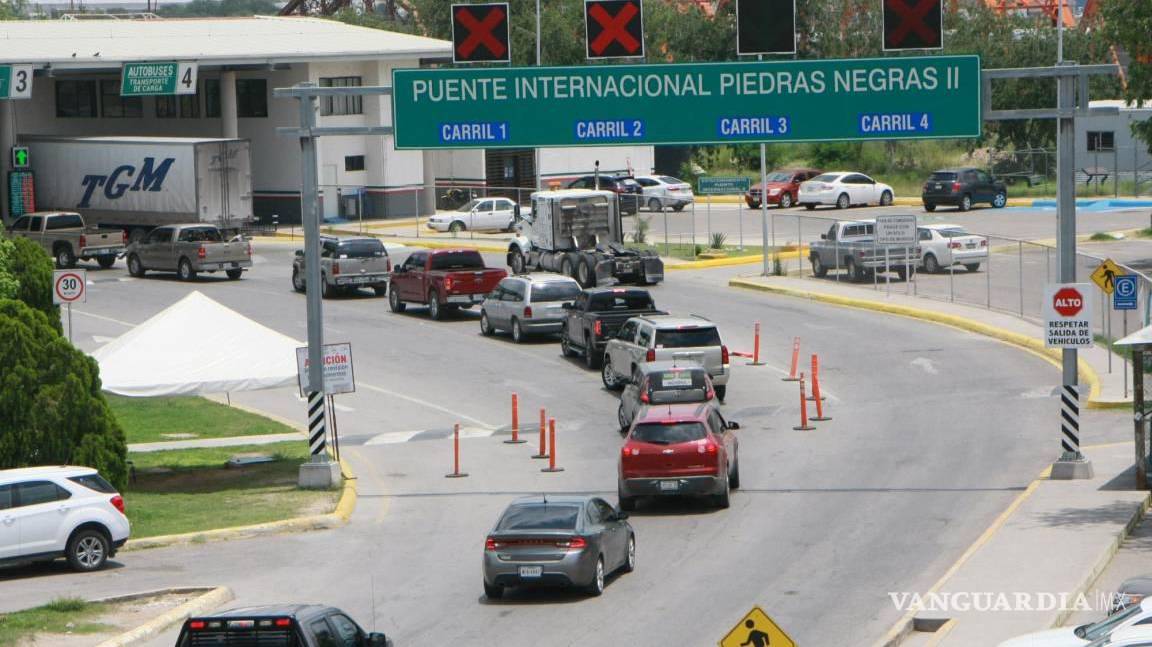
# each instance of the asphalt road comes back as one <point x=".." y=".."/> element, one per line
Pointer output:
<point x="934" y="432"/>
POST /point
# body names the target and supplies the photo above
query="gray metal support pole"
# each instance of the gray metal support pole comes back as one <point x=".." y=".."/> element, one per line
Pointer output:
<point x="1141" y="458"/>
<point x="764" y="209"/>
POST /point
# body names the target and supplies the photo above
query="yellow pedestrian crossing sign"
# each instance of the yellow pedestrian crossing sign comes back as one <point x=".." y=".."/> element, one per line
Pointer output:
<point x="756" y="629"/>
<point x="1105" y="275"/>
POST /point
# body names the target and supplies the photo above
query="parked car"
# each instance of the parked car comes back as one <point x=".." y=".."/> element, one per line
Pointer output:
<point x="64" y="235"/>
<point x="843" y="189"/>
<point x="479" y="214"/>
<point x="1131" y="592"/>
<point x="652" y="338"/>
<point x="848" y="246"/>
<point x="557" y="540"/>
<point x="628" y="194"/>
<point x="347" y="264"/>
<point x="528" y="304"/>
<point x="662" y="191"/>
<point x="289" y="625"/>
<point x="782" y="187"/>
<point x="1139" y="615"/>
<point x="663" y="383"/>
<point x="963" y="187"/>
<point x="595" y="317"/>
<point x="443" y="279"/>
<point x="60" y="511"/>
<point x="189" y="250"/>
<point x="942" y="246"/>
<point x="680" y="449"/>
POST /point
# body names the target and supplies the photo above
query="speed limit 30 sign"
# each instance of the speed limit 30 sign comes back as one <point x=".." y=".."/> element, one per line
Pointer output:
<point x="69" y="286"/>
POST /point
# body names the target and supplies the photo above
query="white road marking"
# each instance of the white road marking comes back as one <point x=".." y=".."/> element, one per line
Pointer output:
<point x="395" y="437"/>
<point x="345" y="408"/>
<point x="425" y="403"/>
<point x="103" y="318"/>
<point x="100" y="339"/>
<point x="1039" y="393"/>
<point x="928" y="365"/>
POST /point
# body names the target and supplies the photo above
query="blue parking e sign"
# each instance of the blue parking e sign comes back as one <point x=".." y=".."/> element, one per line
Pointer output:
<point x="1124" y="296"/>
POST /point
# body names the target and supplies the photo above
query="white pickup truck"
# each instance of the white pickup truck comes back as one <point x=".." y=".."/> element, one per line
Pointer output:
<point x="849" y="246"/>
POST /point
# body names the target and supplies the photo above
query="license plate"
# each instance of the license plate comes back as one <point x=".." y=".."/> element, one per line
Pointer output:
<point x="464" y="299"/>
<point x="939" y="186"/>
<point x="971" y="245"/>
<point x="669" y="486"/>
<point x="531" y="571"/>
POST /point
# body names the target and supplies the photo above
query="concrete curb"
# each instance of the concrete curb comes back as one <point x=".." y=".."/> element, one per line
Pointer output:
<point x="1087" y="373"/>
<point x="334" y="519"/>
<point x="213" y="598"/>
<point x="735" y="260"/>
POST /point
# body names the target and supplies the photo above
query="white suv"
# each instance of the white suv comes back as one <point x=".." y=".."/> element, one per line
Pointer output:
<point x="60" y="511"/>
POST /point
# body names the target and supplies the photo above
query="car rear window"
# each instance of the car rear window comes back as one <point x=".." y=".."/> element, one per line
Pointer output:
<point x="604" y="301"/>
<point x="953" y="233"/>
<point x="670" y="180"/>
<point x="688" y="337"/>
<point x="467" y="260"/>
<point x="827" y="177"/>
<point x="779" y="177"/>
<point x="93" y="482"/>
<point x="941" y="176"/>
<point x="555" y="291"/>
<point x="539" y="517"/>
<point x="200" y="235"/>
<point x="65" y="222"/>
<point x="660" y="433"/>
<point x="677" y="386"/>
<point x="361" y="249"/>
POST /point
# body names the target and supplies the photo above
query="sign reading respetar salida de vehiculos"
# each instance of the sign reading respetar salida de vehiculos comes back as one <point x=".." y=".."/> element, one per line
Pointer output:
<point x="1068" y="316"/>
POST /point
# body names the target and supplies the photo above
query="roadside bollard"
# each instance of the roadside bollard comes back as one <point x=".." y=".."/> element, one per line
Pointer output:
<point x="815" y="380"/>
<point x="804" y="426"/>
<point x="456" y="473"/>
<point x="552" y="448"/>
<point x="756" y="347"/>
<point x="795" y="361"/>
<point x="543" y="453"/>
<point x="516" y="440"/>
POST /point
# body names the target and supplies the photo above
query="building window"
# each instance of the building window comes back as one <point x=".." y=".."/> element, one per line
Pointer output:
<point x="251" y="98"/>
<point x="354" y="163"/>
<point x="212" y="98"/>
<point x="185" y="106"/>
<point x="75" y="98"/>
<point x="1101" y="140"/>
<point x="114" y="105"/>
<point x="349" y="105"/>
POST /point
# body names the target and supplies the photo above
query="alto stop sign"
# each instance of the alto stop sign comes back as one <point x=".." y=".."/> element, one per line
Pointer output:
<point x="1068" y="302"/>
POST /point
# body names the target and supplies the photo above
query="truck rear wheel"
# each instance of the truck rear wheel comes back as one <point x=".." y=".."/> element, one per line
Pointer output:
<point x="434" y="309"/>
<point x="234" y="274"/>
<point x="185" y="271"/>
<point x="566" y="266"/>
<point x="516" y="262"/>
<point x="592" y="359"/>
<point x="585" y="275"/>
<point x="106" y="261"/>
<point x="65" y="259"/>
<point x="135" y="267"/>
<point x="819" y="270"/>
<point x="394" y="302"/>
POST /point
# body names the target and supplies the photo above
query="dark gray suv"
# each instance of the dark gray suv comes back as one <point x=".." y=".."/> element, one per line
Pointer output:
<point x="961" y="188"/>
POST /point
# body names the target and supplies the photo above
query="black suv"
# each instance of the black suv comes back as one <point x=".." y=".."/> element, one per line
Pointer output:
<point x="961" y="187"/>
<point x="296" y="625"/>
<point x="629" y="190"/>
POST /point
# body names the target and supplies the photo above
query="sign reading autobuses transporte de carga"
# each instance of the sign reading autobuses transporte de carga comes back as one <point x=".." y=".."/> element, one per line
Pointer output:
<point x="689" y="103"/>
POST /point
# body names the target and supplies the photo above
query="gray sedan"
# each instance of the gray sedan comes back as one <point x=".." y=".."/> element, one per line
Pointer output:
<point x="557" y="540"/>
<point x="663" y="383"/>
<point x="528" y="304"/>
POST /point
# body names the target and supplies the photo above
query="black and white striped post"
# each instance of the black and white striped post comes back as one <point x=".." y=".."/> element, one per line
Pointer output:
<point x="317" y="442"/>
<point x="1070" y="419"/>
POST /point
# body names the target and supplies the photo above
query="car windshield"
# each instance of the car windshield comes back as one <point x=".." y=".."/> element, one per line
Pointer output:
<point x="555" y="291"/>
<point x="688" y="337"/>
<point x="953" y="232"/>
<point x="1104" y="627"/>
<point x="827" y="177"/>
<point x="469" y="206"/>
<point x="539" y="516"/>
<point x="467" y="260"/>
<point x="670" y="180"/>
<point x="605" y="301"/>
<point x="361" y="249"/>
<point x="779" y="177"/>
<point x="942" y="176"/>
<point x="667" y="433"/>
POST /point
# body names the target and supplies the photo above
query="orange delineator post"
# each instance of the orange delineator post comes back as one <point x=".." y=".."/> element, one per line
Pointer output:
<point x="543" y="453"/>
<point x="795" y="361"/>
<point x="515" y="422"/>
<point x="456" y="473"/>
<point x="804" y="426"/>
<point x="552" y="448"/>
<point x="756" y="347"/>
<point x="819" y="399"/>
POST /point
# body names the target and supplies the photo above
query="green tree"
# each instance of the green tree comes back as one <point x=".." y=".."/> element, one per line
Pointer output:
<point x="9" y="284"/>
<point x="1127" y="25"/>
<point x="218" y="8"/>
<point x="24" y="262"/>
<point x="51" y="407"/>
<point x="13" y="10"/>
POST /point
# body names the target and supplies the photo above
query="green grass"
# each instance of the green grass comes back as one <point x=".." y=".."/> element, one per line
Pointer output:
<point x="51" y="618"/>
<point x="149" y="420"/>
<point x="1103" y="237"/>
<point x="684" y="250"/>
<point x="188" y="490"/>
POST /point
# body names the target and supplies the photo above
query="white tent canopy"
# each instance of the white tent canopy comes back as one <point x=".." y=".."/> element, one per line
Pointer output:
<point x="195" y="346"/>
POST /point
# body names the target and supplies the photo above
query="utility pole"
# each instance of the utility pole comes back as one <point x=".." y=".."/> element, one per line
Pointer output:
<point x="764" y="205"/>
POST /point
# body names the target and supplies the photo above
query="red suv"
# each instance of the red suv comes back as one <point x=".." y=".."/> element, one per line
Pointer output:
<point x="782" y="186"/>
<point x="679" y="449"/>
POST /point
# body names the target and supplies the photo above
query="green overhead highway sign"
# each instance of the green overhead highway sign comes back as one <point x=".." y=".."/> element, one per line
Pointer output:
<point x="595" y="105"/>
<point x="723" y="185"/>
<point x="15" y="81"/>
<point x="163" y="77"/>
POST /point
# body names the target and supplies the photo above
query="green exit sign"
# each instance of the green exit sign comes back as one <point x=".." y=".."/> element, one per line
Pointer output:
<point x="163" y="77"/>
<point x="20" y="157"/>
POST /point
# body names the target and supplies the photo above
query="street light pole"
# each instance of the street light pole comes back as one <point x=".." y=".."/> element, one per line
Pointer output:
<point x="764" y="204"/>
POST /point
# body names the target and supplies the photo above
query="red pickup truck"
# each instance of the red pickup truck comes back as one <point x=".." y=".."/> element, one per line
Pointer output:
<point x="444" y="279"/>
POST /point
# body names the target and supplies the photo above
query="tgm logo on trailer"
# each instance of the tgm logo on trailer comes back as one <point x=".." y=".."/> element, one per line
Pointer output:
<point x="150" y="178"/>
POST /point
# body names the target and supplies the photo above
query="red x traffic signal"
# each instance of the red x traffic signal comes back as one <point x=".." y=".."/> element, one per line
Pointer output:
<point x="614" y="28"/>
<point x="480" y="33"/>
<point x="912" y="24"/>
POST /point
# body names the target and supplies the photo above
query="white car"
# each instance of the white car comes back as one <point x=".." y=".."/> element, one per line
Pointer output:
<point x="843" y="189"/>
<point x="664" y="191"/>
<point x="480" y="214"/>
<point x="942" y="246"/>
<point x="1126" y="637"/>
<point x="60" y="511"/>
<point x="1139" y="617"/>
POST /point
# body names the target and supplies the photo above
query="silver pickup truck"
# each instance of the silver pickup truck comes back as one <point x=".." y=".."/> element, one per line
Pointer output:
<point x="848" y="247"/>
<point x="64" y="235"/>
<point x="189" y="250"/>
<point x="347" y="264"/>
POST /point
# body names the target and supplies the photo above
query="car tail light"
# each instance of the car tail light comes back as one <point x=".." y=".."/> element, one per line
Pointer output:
<point x="927" y="186"/>
<point x="249" y="250"/>
<point x="283" y="622"/>
<point x="201" y="253"/>
<point x="956" y="187"/>
<point x="335" y="269"/>
<point x="707" y="447"/>
<point x="650" y="356"/>
<point x="83" y="241"/>
<point x="196" y="625"/>
<point x="575" y="543"/>
<point x="597" y="329"/>
<point x="527" y="312"/>
<point x="448" y="283"/>
<point x="644" y="397"/>
<point x="953" y="245"/>
<point x="124" y="236"/>
<point x="490" y="544"/>
<point x="118" y="503"/>
<point x="724" y="355"/>
<point x="860" y="253"/>
<point x="710" y="394"/>
<point x="984" y="242"/>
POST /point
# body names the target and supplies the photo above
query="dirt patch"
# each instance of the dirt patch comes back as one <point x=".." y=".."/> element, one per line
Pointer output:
<point x="118" y="618"/>
<point x="221" y="478"/>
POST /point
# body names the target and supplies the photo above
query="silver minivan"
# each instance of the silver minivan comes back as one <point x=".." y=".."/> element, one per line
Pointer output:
<point x="666" y="337"/>
<point x="528" y="304"/>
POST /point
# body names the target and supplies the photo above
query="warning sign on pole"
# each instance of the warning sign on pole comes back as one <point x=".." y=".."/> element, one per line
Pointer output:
<point x="338" y="375"/>
<point x="1068" y="316"/>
